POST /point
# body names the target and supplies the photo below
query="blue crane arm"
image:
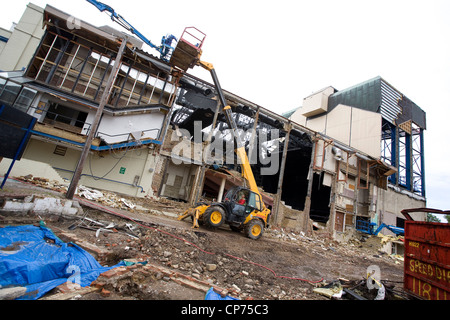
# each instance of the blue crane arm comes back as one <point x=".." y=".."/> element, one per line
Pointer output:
<point x="165" y="49"/>
<point x="397" y="230"/>
<point x="121" y="20"/>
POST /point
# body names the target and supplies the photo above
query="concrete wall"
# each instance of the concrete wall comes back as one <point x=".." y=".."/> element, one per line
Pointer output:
<point x="357" y="128"/>
<point x="5" y="34"/>
<point x="23" y="41"/>
<point x="298" y="117"/>
<point x="366" y="132"/>
<point x="114" y="171"/>
<point x="316" y="103"/>
<point x="35" y="168"/>
<point x="393" y="202"/>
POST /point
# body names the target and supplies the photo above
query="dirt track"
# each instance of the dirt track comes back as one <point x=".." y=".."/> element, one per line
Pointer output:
<point x="281" y="265"/>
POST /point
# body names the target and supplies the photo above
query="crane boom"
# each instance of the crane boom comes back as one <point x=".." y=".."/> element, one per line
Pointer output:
<point x="241" y="154"/>
<point x="165" y="49"/>
<point x="242" y="206"/>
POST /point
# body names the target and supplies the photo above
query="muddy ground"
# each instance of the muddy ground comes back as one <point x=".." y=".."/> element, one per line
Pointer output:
<point x="282" y="265"/>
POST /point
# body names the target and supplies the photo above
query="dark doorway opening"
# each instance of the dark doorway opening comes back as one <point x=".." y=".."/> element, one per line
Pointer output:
<point x="320" y="200"/>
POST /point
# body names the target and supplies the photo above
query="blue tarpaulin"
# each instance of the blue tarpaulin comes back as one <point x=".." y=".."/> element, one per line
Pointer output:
<point x="35" y="258"/>
<point x="212" y="295"/>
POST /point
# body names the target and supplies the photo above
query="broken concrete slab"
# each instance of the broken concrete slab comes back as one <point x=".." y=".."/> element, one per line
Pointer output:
<point x="54" y="206"/>
<point x="12" y="293"/>
<point x="17" y="206"/>
<point x="42" y="206"/>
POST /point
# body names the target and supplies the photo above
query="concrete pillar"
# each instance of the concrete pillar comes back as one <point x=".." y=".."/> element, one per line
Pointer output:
<point x="281" y="176"/>
<point x="307" y="208"/>
<point x="222" y="188"/>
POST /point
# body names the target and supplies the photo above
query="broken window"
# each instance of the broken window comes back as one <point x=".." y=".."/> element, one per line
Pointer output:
<point x="65" y="117"/>
<point x="25" y="99"/>
<point x="16" y="95"/>
<point x="10" y="92"/>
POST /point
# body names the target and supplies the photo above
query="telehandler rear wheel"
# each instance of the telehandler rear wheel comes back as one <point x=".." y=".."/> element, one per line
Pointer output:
<point x="214" y="217"/>
<point x="254" y="229"/>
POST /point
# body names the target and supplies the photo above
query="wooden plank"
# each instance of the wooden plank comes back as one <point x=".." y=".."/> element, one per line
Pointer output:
<point x="70" y="295"/>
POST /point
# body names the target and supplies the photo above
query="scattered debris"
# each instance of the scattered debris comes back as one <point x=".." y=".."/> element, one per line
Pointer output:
<point x="353" y="294"/>
<point x="107" y="198"/>
<point x="45" y="183"/>
<point x="12" y="293"/>
<point x="332" y="290"/>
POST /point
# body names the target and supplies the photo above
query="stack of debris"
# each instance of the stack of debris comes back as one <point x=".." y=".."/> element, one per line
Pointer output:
<point x="107" y="198"/>
<point x="44" y="183"/>
<point x="366" y="289"/>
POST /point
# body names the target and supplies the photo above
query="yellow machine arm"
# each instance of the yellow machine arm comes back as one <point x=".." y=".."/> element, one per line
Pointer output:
<point x="247" y="172"/>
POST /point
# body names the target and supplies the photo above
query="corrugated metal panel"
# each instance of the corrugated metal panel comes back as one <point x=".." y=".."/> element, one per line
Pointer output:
<point x="366" y="96"/>
<point x="390" y="97"/>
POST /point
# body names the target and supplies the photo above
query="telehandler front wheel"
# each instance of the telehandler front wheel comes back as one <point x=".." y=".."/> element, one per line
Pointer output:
<point x="254" y="229"/>
<point x="214" y="217"/>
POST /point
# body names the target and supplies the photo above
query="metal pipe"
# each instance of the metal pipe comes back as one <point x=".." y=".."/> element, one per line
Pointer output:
<point x="70" y="66"/>
<point x="143" y="88"/>
<point x="57" y="61"/>
<point x="92" y="74"/>
<point x="103" y="78"/>
<point x="95" y="148"/>
<point x="153" y="90"/>
<point x="134" y="86"/>
<point x="124" y="83"/>
<point x="81" y="70"/>
<point x="46" y="57"/>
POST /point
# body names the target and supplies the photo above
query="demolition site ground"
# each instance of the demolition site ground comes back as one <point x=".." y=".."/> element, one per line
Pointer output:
<point x="168" y="260"/>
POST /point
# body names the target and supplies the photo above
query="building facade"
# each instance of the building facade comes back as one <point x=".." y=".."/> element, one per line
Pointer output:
<point x="162" y="134"/>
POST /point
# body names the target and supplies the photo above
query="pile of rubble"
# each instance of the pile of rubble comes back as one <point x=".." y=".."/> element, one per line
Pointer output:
<point x="44" y="183"/>
<point x="107" y="198"/>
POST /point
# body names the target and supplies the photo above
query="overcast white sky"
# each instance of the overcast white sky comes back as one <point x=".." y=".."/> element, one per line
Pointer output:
<point x="275" y="53"/>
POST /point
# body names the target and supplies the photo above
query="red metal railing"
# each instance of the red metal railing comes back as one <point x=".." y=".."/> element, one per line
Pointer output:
<point x="193" y="37"/>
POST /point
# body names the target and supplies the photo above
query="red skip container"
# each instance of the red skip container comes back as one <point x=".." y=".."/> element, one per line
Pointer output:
<point x="427" y="257"/>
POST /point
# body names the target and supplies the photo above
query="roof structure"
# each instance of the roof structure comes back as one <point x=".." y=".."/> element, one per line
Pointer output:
<point x="377" y="95"/>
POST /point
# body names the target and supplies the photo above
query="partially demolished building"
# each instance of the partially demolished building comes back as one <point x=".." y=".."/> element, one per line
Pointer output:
<point x="345" y="156"/>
